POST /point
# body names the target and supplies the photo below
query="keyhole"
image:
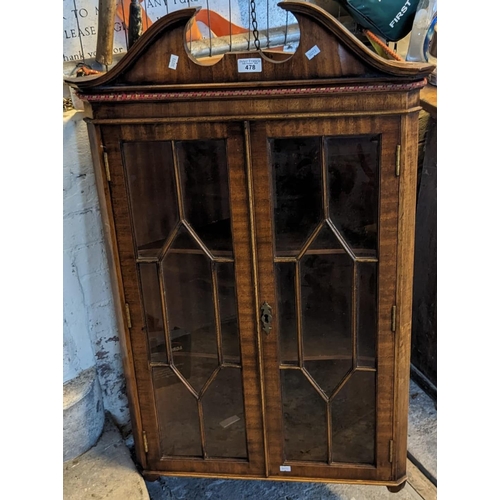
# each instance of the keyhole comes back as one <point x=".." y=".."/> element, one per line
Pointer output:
<point x="266" y="317"/>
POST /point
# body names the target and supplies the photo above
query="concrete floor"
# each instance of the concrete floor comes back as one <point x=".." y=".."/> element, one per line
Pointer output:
<point x="107" y="472"/>
<point x="214" y="489"/>
<point x="422" y="430"/>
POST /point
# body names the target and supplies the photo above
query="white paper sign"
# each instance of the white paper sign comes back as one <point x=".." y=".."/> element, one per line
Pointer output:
<point x="80" y="19"/>
<point x="285" y="468"/>
<point x="173" y="61"/>
<point x="253" y="65"/>
<point x="314" y="51"/>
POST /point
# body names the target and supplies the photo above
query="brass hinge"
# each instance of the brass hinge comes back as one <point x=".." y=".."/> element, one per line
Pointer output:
<point x="127" y="314"/>
<point x="393" y="319"/>
<point x="398" y="160"/>
<point x="145" y="441"/>
<point x="391" y="450"/>
<point x="106" y="165"/>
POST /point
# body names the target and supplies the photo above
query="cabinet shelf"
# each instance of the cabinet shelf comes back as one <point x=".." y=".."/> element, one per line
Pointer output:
<point x="216" y="237"/>
<point x="220" y="232"/>
<point x="151" y="253"/>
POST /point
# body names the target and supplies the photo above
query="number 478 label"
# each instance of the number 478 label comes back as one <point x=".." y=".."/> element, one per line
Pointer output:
<point x="250" y="65"/>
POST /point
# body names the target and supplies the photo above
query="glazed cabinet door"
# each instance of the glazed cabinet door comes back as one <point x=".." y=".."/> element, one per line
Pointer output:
<point x="179" y="203"/>
<point x="326" y="201"/>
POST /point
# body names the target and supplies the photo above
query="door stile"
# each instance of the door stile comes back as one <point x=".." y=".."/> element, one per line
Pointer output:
<point x="388" y="220"/>
<point x="260" y="177"/>
<point x="254" y="246"/>
<point x="106" y="208"/>
<point x="112" y="137"/>
<point x="245" y="286"/>
<point x="405" y="263"/>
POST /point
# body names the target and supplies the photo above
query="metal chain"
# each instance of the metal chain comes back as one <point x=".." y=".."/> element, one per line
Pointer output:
<point x="254" y="24"/>
<point x="125" y="25"/>
<point x="79" y="31"/>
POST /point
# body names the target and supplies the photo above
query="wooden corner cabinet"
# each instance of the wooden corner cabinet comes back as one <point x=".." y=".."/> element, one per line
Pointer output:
<point x="261" y="228"/>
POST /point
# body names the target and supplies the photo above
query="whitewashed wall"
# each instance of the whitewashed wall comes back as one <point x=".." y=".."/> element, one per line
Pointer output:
<point x="90" y="331"/>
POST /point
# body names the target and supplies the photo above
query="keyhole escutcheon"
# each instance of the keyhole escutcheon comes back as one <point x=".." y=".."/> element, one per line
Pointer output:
<point x="266" y="317"/>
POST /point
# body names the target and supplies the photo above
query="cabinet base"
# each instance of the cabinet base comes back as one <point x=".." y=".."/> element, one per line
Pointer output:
<point x="150" y="477"/>
<point x="398" y="488"/>
<point x="392" y="486"/>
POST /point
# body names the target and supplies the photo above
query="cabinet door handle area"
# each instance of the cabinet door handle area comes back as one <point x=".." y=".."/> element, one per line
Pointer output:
<point x="266" y="317"/>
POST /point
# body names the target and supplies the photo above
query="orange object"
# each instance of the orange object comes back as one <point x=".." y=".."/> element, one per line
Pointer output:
<point x="219" y="25"/>
<point x="123" y="11"/>
<point x="193" y="32"/>
<point x="374" y="39"/>
<point x="86" y="70"/>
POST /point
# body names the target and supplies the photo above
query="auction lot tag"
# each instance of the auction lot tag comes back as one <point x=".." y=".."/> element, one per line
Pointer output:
<point x="250" y="65"/>
<point x="173" y="61"/>
<point x="314" y="51"/>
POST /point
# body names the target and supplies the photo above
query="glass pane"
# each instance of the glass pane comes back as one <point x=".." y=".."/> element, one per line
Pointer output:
<point x="353" y="181"/>
<point x="304" y="415"/>
<point x="150" y="177"/>
<point x="228" y="312"/>
<point x="367" y="313"/>
<point x="153" y="310"/>
<point x="224" y="415"/>
<point x="353" y="420"/>
<point x="298" y="208"/>
<point x="177" y="413"/>
<point x="205" y="188"/>
<point x="324" y="241"/>
<point x="190" y="312"/>
<point x="287" y="316"/>
<point x="184" y="241"/>
<point x="326" y="288"/>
